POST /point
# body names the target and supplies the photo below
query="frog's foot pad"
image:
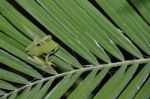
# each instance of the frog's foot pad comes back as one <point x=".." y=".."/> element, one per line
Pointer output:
<point x="50" y="64"/>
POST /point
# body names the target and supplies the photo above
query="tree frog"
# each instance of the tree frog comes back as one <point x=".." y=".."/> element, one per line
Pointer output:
<point x="40" y="47"/>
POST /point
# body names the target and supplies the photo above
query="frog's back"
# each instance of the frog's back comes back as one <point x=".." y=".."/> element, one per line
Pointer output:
<point x="37" y="51"/>
<point x="45" y="48"/>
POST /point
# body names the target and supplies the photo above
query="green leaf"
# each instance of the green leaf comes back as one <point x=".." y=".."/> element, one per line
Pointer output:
<point x="136" y="83"/>
<point x="9" y="76"/>
<point x="13" y="96"/>
<point x="43" y="90"/>
<point x="112" y="81"/>
<point x="144" y="92"/>
<point x="56" y="28"/>
<point x="64" y="55"/>
<point x="34" y="91"/>
<point x="136" y="28"/>
<point x="62" y="64"/>
<point x="122" y="83"/>
<point x="62" y="86"/>
<point x="91" y="29"/>
<point x="88" y="84"/>
<point x="8" y="29"/>
<point x="17" y="64"/>
<point x="6" y="85"/>
<point x="143" y="7"/>
<point x="2" y="92"/>
<point x="17" y="19"/>
<point x="95" y="38"/>
<point x="74" y="28"/>
<point x="108" y="28"/>
<point x="24" y="93"/>
<point x="9" y="45"/>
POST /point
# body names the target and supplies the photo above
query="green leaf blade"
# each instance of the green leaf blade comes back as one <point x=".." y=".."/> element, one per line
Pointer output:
<point x="9" y="76"/>
<point x="137" y="82"/>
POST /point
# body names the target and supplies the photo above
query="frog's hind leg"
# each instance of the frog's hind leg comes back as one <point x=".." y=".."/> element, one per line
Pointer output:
<point x="34" y="43"/>
<point x="36" y="60"/>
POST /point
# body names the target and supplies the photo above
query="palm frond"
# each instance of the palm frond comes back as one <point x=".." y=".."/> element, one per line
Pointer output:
<point x="91" y="60"/>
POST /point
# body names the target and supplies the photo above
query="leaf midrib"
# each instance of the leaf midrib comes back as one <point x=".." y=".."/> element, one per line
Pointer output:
<point x="123" y="63"/>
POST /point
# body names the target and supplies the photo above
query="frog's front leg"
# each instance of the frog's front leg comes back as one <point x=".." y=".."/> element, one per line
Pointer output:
<point x="48" y="54"/>
<point x="49" y="62"/>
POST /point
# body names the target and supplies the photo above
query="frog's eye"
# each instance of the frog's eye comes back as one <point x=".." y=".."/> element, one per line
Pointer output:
<point x="38" y="44"/>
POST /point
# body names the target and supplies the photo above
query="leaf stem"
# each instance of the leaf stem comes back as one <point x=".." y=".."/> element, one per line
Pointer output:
<point x="123" y="63"/>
